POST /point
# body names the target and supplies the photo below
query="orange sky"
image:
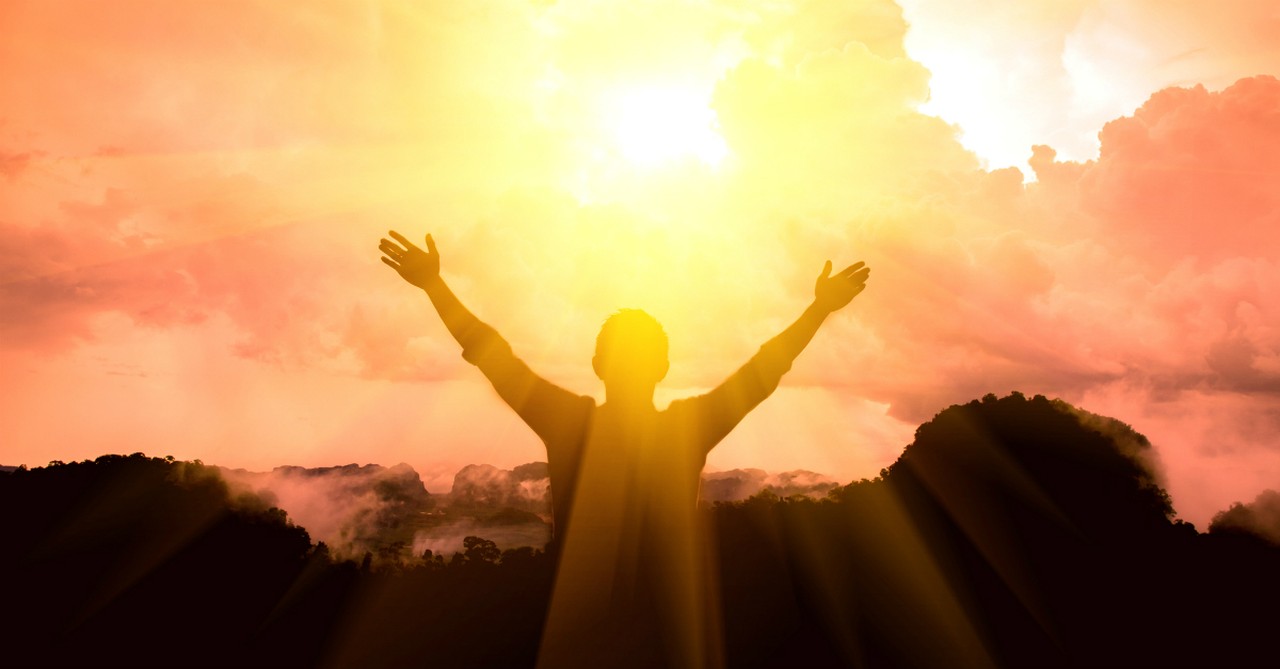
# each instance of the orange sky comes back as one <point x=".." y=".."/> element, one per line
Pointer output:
<point x="191" y="195"/>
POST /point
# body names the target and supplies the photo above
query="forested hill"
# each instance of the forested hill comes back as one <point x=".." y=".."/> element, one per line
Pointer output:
<point x="1011" y="532"/>
<point x="136" y="560"/>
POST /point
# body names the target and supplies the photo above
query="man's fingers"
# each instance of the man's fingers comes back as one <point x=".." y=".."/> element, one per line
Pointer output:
<point x="848" y="271"/>
<point x="859" y="276"/>
<point x="431" y="245"/>
<point x="390" y="249"/>
<point x="826" y="270"/>
<point x="391" y="263"/>
<point x="400" y="238"/>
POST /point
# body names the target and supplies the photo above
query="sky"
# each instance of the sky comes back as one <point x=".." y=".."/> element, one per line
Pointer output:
<point x="1072" y="198"/>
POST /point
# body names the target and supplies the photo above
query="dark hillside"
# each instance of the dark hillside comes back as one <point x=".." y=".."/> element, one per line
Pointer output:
<point x="1011" y="532"/>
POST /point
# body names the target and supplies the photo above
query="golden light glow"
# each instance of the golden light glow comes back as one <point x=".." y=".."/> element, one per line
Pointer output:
<point x="653" y="125"/>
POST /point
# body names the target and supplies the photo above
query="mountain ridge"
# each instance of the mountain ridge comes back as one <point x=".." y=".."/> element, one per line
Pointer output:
<point x="1010" y="532"/>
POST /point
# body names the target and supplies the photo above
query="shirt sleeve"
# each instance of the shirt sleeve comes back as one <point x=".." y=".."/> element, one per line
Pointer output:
<point x="551" y="411"/>
<point x="720" y="410"/>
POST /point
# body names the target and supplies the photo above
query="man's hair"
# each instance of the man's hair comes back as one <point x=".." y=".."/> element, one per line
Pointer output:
<point x="634" y="334"/>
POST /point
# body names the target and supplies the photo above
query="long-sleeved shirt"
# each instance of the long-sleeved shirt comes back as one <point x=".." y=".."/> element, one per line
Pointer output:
<point x="633" y="586"/>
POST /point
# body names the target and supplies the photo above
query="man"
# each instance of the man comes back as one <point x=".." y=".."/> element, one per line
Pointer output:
<point x="632" y="587"/>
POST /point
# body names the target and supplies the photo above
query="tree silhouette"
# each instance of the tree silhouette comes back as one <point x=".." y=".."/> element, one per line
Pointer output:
<point x="477" y="551"/>
<point x="1011" y="532"/>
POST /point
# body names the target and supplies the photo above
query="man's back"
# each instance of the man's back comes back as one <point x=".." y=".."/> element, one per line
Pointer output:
<point x="632" y="453"/>
<point x="632" y="556"/>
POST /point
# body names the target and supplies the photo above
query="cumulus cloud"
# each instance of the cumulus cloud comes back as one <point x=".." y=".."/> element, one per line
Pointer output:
<point x="1022" y="73"/>
<point x="1192" y="173"/>
<point x="1077" y="281"/>
<point x="1184" y="213"/>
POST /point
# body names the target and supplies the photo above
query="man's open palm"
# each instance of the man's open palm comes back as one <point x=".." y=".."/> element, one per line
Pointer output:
<point x="832" y="292"/>
<point x="414" y="265"/>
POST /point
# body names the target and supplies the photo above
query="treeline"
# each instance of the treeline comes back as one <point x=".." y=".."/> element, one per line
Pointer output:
<point x="137" y="561"/>
<point x="1011" y="532"/>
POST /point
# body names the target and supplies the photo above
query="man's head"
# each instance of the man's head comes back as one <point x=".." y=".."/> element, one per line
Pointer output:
<point x="631" y="351"/>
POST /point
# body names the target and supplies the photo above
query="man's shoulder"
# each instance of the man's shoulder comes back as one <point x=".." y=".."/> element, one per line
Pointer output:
<point x="686" y="403"/>
<point x="556" y="398"/>
<point x="683" y="406"/>
<point x="572" y="415"/>
<point x="575" y="412"/>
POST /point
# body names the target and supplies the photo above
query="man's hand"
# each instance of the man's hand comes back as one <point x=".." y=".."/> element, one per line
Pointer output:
<point x="414" y="265"/>
<point x="834" y="292"/>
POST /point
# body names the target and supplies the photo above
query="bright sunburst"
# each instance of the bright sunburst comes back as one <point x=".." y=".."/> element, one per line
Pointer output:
<point x="656" y="124"/>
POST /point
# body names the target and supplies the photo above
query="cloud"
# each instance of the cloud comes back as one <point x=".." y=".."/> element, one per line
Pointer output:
<point x="1140" y="280"/>
<point x="1146" y="270"/>
<point x="1192" y="173"/>
<point x="526" y="487"/>
<point x="356" y="509"/>
<point x="61" y="275"/>
<point x="1077" y="280"/>
<point x="352" y="508"/>
<point x="1181" y="201"/>
<point x="387" y="511"/>
<point x="794" y="30"/>
<point x="738" y="484"/>
<point x="840" y="121"/>
<point x="13" y="164"/>
<point x="485" y="489"/>
<point x="1260" y="517"/>
<point x="1022" y="73"/>
<point x="446" y="540"/>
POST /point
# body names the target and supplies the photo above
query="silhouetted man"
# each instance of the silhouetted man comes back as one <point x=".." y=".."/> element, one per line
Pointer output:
<point x="632" y="587"/>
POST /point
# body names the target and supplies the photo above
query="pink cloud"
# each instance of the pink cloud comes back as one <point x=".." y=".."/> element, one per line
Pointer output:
<point x="1138" y="285"/>
<point x="1185" y="194"/>
<point x="1192" y="173"/>
<point x="1153" y="263"/>
<point x="12" y="164"/>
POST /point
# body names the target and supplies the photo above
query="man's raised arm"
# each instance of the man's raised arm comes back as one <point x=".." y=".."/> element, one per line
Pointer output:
<point x="726" y="405"/>
<point x="539" y="402"/>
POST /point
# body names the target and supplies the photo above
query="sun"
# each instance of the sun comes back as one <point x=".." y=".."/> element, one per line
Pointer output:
<point x="654" y="125"/>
